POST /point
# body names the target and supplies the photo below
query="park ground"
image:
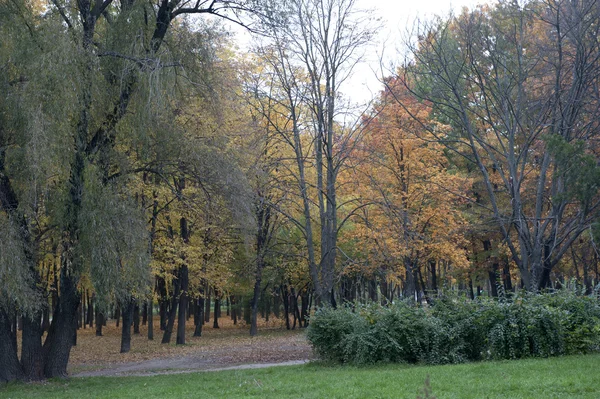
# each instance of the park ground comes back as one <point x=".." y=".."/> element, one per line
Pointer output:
<point x="225" y="347"/>
<point x="152" y="370"/>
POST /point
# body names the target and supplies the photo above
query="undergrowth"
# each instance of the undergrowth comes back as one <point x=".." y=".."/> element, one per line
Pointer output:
<point x="456" y="330"/>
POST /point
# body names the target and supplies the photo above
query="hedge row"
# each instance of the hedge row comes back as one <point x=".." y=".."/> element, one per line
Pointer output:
<point x="457" y="330"/>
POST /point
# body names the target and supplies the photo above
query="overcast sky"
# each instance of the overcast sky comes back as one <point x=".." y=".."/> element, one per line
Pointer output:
<point x="395" y="16"/>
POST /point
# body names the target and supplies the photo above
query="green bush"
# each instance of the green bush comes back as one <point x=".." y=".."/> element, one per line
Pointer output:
<point x="523" y="329"/>
<point x="580" y="320"/>
<point x="454" y="330"/>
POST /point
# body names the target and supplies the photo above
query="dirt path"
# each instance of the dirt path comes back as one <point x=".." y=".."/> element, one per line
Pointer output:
<point x="176" y="366"/>
<point x="223" y="349"/>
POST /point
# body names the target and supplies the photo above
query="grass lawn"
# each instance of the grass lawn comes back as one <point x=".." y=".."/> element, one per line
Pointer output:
<point x="562" y="377"/>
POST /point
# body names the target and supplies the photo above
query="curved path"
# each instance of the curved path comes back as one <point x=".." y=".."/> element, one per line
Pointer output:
<point x="177" y="366"/>
<point x="226" y="349"/>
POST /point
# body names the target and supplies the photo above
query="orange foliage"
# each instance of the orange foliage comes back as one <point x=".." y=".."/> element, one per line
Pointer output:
<point x="414" y="216"/>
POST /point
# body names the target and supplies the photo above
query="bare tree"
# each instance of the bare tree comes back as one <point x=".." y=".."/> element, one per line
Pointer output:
<point x="518" y="83"/>
<point x="311" y="53"/>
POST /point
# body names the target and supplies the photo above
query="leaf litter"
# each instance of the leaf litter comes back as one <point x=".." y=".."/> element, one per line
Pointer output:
<point x="227" y="347"/>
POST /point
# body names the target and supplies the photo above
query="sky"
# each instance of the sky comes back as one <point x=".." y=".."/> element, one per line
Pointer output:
<point x="396" y="16"/>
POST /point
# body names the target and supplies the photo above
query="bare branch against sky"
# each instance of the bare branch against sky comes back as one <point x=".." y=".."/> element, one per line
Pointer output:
<point x="396" y="17"/>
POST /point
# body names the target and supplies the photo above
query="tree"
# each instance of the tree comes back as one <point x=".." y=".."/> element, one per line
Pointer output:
<point x="414" y="196"/>
<point x="310" y="55"/>
<point x="517" y="83"/>
<point x="112" y="52"/>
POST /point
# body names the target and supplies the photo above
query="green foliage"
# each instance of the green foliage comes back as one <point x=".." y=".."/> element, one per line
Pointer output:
<point x="577" y="168"/>
<point x="372" y="333"/>
<point x="15" y="278"/>
<point x="524" y="328"/>
<point x="456" y="330"/>
<point x="114" y="241"/>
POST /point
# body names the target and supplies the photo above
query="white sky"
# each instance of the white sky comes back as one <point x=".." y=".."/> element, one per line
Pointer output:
<point x="396" y="16"/>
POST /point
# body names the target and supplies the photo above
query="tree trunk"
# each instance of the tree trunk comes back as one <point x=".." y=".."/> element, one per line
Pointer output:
<point x="46" y="318"/>
<point x="183" y="304"/>
<point x="10" y="368"/>
<point x="234" y="309"/>
<point x="150" y="313"/>
<point x="471" y="293"/>
<point x="63" y="329"/>
<point x="506" y="277"/>
<point x="247" y="310"/>
<point x="276" y="303"/>
<point x="136" y="318"/>
<point x="90" y="310"/>
<point x="172" y="313"/>
<point x="286" y="306"/>
<point x="256" y="296"/>
<point x="372" y="289"/>
<point x="198" y="317"/>
<point x="127" y="310"/>
<point x="117" y="314"/>
<point x="304" y="312"/>
<point x="294" y="303"/>
<point x="493" y="270"/>
<point x="162" y="301"/>
<point x="99" y="322"/>
<point x="384" y="287"/>
<point x="145" y="313"/>
<point x="267" y="301"/>
<point x="410" y="285"/>
<point x="432" y="268"/>
<point x="217" y="310"/>
<point x="31" y="351"/>
<point x="207" y="305"/>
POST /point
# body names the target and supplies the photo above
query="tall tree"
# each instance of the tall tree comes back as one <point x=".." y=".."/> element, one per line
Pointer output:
<point x="106" y="48"/>
<point x="414" y="215"/>
<point x="518" y="83"/>
<point x="311" y="53"/>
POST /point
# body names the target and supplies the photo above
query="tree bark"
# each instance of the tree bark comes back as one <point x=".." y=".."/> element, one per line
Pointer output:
<point x="198" y="316"/>
<point x="172" y="313"/>
<point x="145" y="313"/>
<point x="150" y="313"/>
<point x="117" y="314"/>
<point x="217" y="310"/>
<point x="286" y="305"/>
<point x="127" y="314"/>
<point x="136" y="318"/>
<point x="10" y="368"/>
<point x="90" y="310"/>
<point x="60" y="339"/>
<point x="256" y="296"/>
<point x="31" y="350"/>
<point x="183" y="304"/>
<point x="99" y="322"/>
<point x="207" y="305"/>
<point x="162" y="301"/>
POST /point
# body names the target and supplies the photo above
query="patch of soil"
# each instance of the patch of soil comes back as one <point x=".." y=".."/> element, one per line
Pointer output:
<point x="218" y="349"/>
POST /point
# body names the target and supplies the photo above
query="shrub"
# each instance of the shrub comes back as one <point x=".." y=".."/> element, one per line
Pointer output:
<point x="580" y="319"/>
<point x="455" y="330"/>
<point x="524" y="329"/>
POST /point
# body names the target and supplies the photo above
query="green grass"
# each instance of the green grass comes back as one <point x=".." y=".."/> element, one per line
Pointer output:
<point x="561" y="377"/>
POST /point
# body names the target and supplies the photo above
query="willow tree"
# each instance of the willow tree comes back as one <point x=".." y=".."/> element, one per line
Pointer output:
<point x="75" y="79"/>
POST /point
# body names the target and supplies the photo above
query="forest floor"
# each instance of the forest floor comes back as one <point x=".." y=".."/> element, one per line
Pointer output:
<point x="228" y="347"/>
